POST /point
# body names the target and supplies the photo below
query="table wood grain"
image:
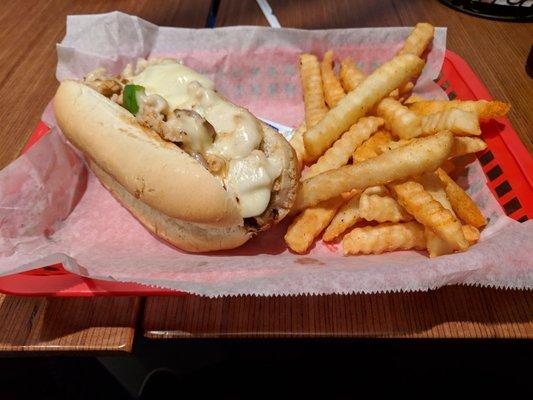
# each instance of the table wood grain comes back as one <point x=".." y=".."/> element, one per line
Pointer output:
<point x="96" y="325"/>
<point x="497" y="52"/>
<point x="30" y="30"/>
<point x="450" y="312"/>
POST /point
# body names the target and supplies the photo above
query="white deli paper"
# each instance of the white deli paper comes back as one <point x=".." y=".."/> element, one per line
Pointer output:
<point x="48" y="216"/>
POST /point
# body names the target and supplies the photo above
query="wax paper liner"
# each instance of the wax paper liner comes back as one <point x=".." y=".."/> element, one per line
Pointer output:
<point x="52" y="210"/>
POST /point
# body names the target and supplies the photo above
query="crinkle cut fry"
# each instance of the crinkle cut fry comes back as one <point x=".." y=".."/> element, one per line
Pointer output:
<point x="419" y="39"/>
<point x="350" y="76"/>
<point x="461" y="202"/>
<point x="346" y="217"/>
<point x="432" y="184"/>
<point x="471" y="233"/>
<point x="339" y="154"/>
<point x="461" y="145"/>
<point x="429" y="212"/>
<point x="483" y="108"/>
<point x="358" y="102"/>
<point x="333" y="91"/>
<point x="308" y="225"/>
<point x="465" y="145"/>
<point x="384" y="237"/>
<point x="419" y="156"/>
<point x="390" y="237"/>
<point x="401" y="121"/>
<point x="437" y="247"/>
<point x="372" y="147"/>
<point x="313" y="92"/>
<point x="382" y="208"/>
<point x="413" y="99"/>
<point x="455" y="120"/>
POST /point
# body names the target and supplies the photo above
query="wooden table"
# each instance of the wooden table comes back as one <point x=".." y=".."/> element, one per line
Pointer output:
<point x="495" y="50"/>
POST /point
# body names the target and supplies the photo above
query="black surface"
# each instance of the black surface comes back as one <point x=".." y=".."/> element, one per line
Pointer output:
<point x="514" y="10"/>
<point x="325" y="369"/>
<point x="486" y="158"/>
<point x="58" y="378"/>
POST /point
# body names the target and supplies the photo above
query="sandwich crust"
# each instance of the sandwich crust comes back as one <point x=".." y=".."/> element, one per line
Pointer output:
<point x="168" y="191"/>
<point x="187" y="236"/>
<point x="155" y="171"/>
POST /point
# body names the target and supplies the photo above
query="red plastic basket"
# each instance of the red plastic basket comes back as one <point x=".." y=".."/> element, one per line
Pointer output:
<point x="507" y="164"/>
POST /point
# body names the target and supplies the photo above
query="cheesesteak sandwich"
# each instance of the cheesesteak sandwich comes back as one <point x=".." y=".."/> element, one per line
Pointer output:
<point x="195" y="169"/>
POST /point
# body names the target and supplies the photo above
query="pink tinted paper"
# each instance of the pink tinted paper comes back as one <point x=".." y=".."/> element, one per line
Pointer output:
<point x="255" y="67"/>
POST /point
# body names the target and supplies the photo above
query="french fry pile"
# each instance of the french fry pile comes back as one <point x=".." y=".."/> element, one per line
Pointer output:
<point x="378" y="159"/>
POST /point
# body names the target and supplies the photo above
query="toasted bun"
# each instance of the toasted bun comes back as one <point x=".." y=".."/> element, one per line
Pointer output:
<point x="157" y="172"/>
<point x="171" y="193"/>
<point x="187" y="236"/>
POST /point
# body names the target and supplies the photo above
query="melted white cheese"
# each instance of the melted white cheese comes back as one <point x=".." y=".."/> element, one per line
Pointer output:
<point x="250" y="174"/>
<point x="250" y="180"/>
<point x="169" y="79"/>
<point x="238" y="131"/>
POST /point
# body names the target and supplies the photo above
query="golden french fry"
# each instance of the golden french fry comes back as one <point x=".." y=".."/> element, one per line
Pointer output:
<point x="378" y="190"/>
<point x="405" y="89"/>
<point x="392" y="144"/>
<point x="419" y="156"/>
<point x="465" y="145"/>
<point x="339" y="154"/>
<point x="401" y="121"/>
<point x="307" y="226"/>
<point x="429" y="212"/>
<point x="371" y="147"/>
<point x="438" y="247"/>
<point x="314" y="103"/>
<point x="346" y="217"/>
<point x="297" y="143"/>
<point x="401" y="93"/>
<point x="356" y="103"/>
<point x="457" y="121"/>
<point x="404" y="92"/>
<point x="350" y="76"/>
<point x="384" y="237"/>
<point x="461" y="145"/>
<point x="333" y="91"/>
<point x="461" y="202"/>
<point x="432" y="184"/>
<point x="483" y="108"/>
<point x="435" y="245"/>
<point x="413" y="99"/>
<point x="471" y="233"/>
<point x="417" y="42"/>
<point x="381" y="208"/>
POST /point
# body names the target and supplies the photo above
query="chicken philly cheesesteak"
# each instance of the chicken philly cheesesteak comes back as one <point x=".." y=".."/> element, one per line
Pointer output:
<point x="198" y="171"/>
